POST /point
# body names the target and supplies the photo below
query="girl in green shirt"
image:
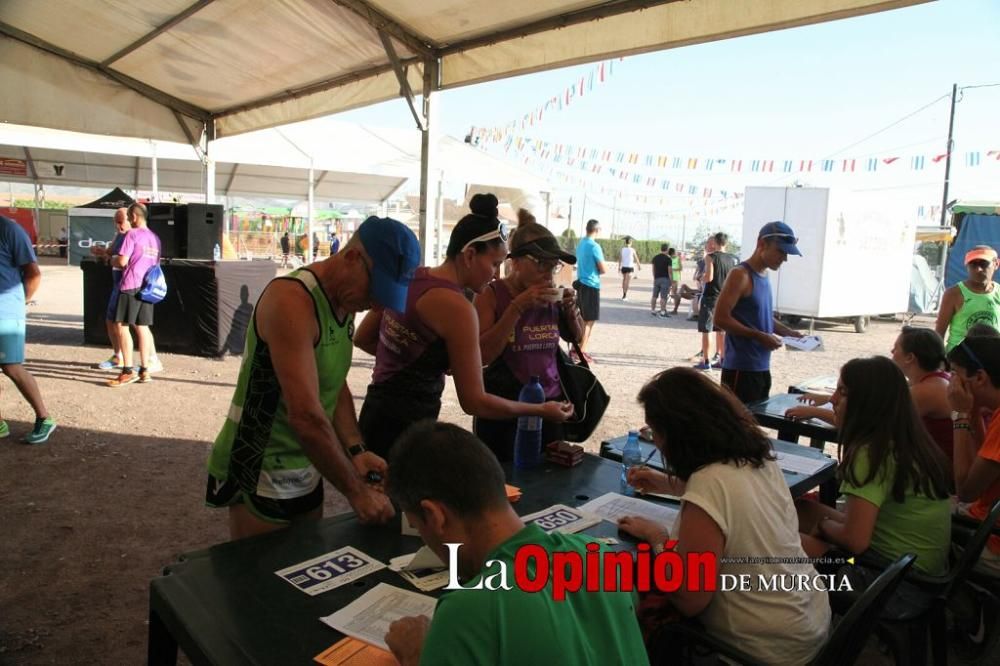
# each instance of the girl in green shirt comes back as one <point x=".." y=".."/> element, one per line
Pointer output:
<point x="895" y="478"/>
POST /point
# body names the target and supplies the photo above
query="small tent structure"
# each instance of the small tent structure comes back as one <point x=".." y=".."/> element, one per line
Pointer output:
<point x="93" y="224"/>
<point x="978" y="223"/>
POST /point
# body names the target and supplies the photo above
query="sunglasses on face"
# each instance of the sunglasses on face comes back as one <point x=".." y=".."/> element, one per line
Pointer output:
<point x="981" y="264"/>
<point x="784" y="238"/>
<point x="502" y="232"/>
<point x="546" y="265"/>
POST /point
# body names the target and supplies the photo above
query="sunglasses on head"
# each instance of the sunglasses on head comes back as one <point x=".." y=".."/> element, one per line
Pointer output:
<point x="784" y="238"/>
<point x="502" y="232"/>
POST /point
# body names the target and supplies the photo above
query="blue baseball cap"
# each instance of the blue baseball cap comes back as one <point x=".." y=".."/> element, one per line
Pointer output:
<point x="395" y="254"/>
<point x="783" y="234"/>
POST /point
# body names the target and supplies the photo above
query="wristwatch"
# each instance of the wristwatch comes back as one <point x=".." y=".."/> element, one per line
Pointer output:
<point x="959" y="416"/>
<point x="357" y="449"/>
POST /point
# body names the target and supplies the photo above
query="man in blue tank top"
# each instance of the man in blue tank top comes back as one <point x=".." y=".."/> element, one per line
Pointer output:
<point x="745" y="310"/>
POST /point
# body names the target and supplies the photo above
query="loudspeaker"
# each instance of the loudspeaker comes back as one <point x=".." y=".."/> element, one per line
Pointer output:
<point x="163" y="222"/>
<point x="201" y="225"/>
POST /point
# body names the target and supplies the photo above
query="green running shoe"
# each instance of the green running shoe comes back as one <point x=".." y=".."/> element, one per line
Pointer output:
<point x="43" y="429"/>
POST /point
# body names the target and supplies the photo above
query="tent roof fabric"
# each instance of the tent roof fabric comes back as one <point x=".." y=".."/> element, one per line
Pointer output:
<point x="162" y="69"/>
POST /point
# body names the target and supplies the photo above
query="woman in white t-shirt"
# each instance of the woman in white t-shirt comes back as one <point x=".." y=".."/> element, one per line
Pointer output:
<point x="627" y="264"/>
<point x="734" y="503"/>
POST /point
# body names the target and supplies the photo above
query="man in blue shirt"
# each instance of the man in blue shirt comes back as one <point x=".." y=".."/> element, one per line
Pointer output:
<point x="745" y="311"/>
<point x="19" y="280"/>
<point x="589" y="269"/>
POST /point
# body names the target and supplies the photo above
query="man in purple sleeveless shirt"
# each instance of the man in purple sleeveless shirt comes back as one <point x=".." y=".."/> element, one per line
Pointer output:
<point x="745" y="310"/>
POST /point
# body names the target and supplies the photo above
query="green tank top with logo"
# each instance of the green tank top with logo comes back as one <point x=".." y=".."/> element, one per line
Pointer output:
<point x="257" y="446"/>
<point x="976" y="309"/>
<point x="676" y="266"/>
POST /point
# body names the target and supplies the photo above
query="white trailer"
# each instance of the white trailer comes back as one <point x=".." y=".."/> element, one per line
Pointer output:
<point x="856" y="252"/>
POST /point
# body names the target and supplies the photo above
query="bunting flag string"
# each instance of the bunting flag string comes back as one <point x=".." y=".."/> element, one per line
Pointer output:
<point x="848" y="165"/>
<point x="597" y="76"/>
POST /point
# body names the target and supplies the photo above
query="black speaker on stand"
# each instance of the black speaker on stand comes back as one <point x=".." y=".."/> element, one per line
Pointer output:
<point x="164" y="223"/>
<point x="202" y="228"/>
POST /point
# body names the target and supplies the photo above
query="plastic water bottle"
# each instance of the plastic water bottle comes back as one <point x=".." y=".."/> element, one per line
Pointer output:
<point x="216" y="252"/>
<point x="631" y="455"/>
<point x="528" y="442"/>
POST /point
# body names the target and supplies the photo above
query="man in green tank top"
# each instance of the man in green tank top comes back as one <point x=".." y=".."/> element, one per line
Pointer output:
<point x="292" y="421"/>
<point x="975" y="300"/>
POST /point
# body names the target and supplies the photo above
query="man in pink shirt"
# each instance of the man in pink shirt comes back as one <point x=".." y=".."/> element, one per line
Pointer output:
<point x="139" y="252"/>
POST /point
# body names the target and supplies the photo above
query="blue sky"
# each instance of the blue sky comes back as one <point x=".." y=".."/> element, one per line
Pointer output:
<point x="816" y="88"/>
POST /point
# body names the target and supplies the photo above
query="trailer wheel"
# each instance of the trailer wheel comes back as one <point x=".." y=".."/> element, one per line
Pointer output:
<point x="861" y="323"/>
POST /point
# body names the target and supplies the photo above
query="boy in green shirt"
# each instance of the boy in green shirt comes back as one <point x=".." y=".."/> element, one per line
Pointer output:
<point x="451" y="489"/>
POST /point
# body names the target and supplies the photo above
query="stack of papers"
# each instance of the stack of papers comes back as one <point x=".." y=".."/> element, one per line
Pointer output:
<point x="804" y="465"/>
<point x="613" y="506"/>
<point x="368" y="617"/>
<point x="805" y="343"/>
<point x="352" y="652"/>
<point x="561" y="518"/>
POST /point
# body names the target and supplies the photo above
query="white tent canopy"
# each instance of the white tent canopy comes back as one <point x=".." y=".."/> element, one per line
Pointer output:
<point x="136" y="68"/>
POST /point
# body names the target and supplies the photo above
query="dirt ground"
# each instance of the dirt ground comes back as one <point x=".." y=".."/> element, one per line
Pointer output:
<point x="90" y="517"/>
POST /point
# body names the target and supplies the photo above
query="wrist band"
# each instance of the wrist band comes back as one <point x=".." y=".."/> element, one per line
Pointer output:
<point x="357" y="449"/>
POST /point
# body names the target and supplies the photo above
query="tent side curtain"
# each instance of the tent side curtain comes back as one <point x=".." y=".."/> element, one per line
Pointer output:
<point x="663" y="27"/>
<point x="43" y="90"/>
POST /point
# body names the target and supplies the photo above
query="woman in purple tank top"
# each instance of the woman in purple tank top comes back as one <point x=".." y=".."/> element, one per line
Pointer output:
<point x="438" y="333"/>
<point x="522" y="319"/>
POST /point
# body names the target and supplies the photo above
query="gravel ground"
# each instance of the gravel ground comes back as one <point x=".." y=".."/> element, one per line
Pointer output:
<point x="117" y="492"/>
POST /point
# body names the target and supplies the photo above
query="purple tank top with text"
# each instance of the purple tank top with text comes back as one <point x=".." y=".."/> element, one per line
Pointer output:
<point x="532" y="347"/>
<point x="406" y="345"/>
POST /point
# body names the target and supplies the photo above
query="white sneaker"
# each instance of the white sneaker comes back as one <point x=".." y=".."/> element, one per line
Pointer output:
<point x="155" y="365"/>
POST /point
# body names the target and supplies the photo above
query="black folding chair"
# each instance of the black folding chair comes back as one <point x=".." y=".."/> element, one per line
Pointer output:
<point x="844" y="643"/>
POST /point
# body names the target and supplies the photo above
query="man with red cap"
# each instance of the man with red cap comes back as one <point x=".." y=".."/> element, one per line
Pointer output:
<point x="975" y="300"/>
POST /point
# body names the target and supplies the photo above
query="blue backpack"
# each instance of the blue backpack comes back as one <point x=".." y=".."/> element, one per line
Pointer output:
<point x="154" y="286"/>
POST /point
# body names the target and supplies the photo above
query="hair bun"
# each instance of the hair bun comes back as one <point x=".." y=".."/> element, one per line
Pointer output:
<point x="485" y="204"/>
<point x="524" y="218"/>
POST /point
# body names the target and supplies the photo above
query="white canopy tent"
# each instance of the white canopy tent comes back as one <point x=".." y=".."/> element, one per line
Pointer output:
<point x="182" y="70"/>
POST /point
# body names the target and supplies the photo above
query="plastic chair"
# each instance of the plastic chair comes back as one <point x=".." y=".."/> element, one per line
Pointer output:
<point x="920" y="604"/>
<point x="844" y="643"/>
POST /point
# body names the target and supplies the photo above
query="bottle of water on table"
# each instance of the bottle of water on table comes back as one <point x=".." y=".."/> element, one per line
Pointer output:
<point x="216" y="252"/>
<point x="528" y="442"/>
<point x="631" y="455"/>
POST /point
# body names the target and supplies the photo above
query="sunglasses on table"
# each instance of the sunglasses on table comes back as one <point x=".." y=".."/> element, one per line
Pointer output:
<point x="502" y="232"/>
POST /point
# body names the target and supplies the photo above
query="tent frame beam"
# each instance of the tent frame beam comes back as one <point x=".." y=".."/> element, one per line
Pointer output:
<point x="404" y="86"/>
<point x="31" y="163"/>
<point x="419" y="44"/>
<point x="154" y="94"/>
<point x="602" y="11"/>
<point x="322" y="86"/>
<point x="196" y="7"/>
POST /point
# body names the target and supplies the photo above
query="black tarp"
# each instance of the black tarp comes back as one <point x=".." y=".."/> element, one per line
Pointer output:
<point x="116" y="198"/>
<point x="93" y="224"/>
<point x="206" y="312"/>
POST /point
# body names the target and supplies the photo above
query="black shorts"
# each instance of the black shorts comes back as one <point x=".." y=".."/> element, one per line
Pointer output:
<point x="220" y="494"/>
<point x="589" y="300"/>
<point x="706" y="317"/>
<point x="132" y="310"/>
<point x="748" y="385"/>
<point x="626" y="270"/>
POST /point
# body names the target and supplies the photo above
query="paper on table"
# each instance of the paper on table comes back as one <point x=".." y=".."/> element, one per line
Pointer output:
<point x="561" y="518"/>
<point x="352" y="652"/>
<point x="326" y="572"/>
<point x="613" y="506"/>
<point x="422" y="569"/>
<point x="800" y="464"/>
<point x="805" y="343"/>
<point x="368" y="617"/>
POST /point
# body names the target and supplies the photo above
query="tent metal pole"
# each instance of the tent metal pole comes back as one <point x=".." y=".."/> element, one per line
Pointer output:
<point x="209" y="163"/>
<point x="439" y="220"/>
<point x="431" y="85"/>
<point x="309" y="214"/>
<point x="155" y="177"/>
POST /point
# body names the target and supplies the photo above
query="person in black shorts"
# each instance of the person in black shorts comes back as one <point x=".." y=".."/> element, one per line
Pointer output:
<point x="718" y="263"/>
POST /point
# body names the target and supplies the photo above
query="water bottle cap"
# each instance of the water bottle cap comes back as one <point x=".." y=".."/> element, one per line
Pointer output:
<point x="534" y="379"/>
<point x="633" y="433"/>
